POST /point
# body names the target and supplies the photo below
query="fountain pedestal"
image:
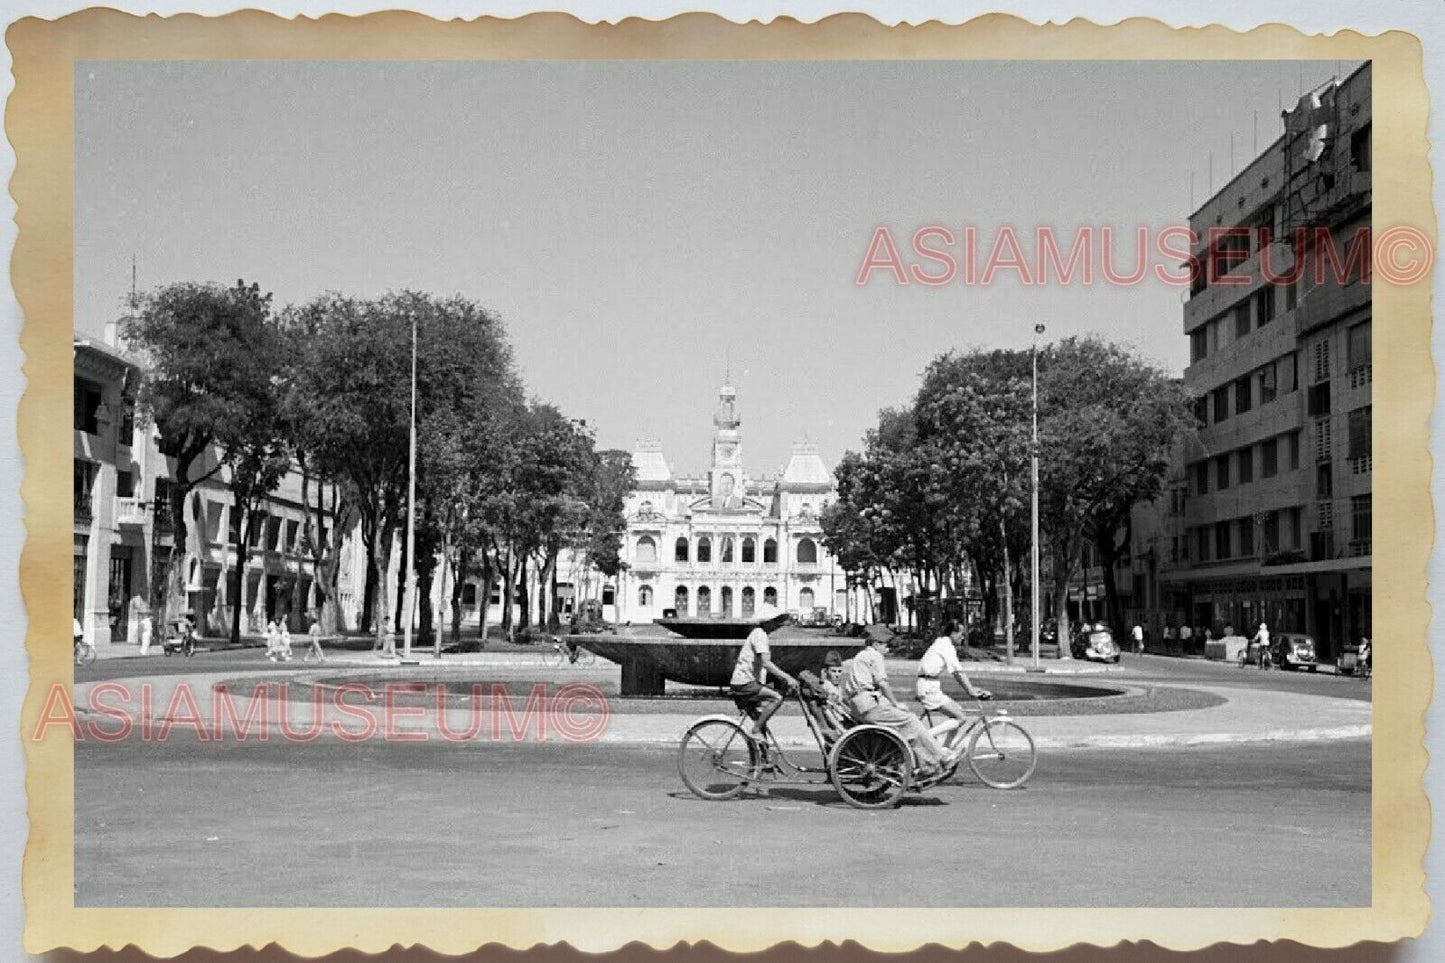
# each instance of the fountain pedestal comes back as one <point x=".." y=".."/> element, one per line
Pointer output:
<point x="642" y="677"/>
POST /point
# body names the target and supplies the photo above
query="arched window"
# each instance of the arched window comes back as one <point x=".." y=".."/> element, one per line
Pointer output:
<point x="726" y="608"/>
<point x="644" y="597"/>
<point x="770" y="596"/>
<point x="805" y="600"/>
<point x="704" y="553"/>
<point x="679" y="600"/>
<point x="727" y="551"/>
<point x="646" y="549"/>
<point x="770" y="552"/>
<point x="750" y="551"/>
<point x="807" y="552"/>
<point x="680" y="552"/>
<point x="749" y="598"/>
<point x="704" y="602"/>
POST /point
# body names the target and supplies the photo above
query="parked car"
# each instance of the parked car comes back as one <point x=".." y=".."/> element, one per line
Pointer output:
<point x="1096" y="644"/>
<point x="1289" y="650"/>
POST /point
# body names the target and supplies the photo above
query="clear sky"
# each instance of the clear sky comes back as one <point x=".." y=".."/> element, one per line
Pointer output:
<point x="638" y="226"/>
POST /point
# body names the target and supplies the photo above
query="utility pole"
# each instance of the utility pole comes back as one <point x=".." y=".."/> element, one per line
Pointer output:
<point x="409" y="579"/>
<point x="1034" y="469"/>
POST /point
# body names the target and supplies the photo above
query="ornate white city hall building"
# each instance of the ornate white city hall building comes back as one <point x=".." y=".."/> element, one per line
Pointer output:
<point x="726" y="543"/>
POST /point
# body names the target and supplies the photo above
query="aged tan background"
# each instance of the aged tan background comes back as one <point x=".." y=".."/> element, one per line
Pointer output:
<point x="39" y="122"/>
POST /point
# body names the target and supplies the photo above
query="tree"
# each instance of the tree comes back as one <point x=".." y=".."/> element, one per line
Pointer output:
<point x="258" y="464"/>
<point x="207" y="364"/>
<point x="350" y="401"/>
<point x="1107" y="420"/>
<point x="973" y="409"/>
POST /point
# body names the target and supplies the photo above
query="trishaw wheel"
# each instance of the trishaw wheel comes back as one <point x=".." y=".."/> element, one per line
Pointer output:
<point x="1002" y="754"/>
<point x="870" y="768"/>
<point x="717" y="759"/>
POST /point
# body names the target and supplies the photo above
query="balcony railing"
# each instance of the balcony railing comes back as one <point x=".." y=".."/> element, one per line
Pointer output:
<point x="130" y="511"/>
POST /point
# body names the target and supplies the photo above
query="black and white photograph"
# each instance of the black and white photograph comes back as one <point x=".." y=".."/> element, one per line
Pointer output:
<point x="680" y="483"/>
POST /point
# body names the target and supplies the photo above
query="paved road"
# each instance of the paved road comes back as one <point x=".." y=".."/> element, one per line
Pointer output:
<point x="327" y="823"/>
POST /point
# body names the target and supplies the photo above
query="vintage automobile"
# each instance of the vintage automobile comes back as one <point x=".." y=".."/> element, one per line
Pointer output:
<point x="1095" y="644"/>
<point x="1290" y="650"/>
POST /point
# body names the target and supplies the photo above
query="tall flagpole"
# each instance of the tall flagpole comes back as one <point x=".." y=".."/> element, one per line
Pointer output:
<point x="411" y="507"/>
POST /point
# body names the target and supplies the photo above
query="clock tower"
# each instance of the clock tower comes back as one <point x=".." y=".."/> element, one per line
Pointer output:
<point x="726" y="476"/>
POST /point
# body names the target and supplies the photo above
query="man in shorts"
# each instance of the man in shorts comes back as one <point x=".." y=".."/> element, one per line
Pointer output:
<point x="940" y="659"/>
<point x="871" y="700"/>
<point x="752" y="668"/>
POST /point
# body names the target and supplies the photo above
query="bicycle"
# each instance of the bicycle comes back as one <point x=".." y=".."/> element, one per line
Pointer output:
<point x="998" y="750"/>
<point x="561" y="653"/>
<point x="870" y="766"/>
<point x="84" y="652"/>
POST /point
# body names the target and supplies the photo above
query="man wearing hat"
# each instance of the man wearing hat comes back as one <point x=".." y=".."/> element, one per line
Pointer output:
<point x="871" y="700"/>
<point x="752" y="668"/>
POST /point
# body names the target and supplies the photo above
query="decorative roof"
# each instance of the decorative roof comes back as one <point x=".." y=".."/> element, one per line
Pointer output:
<point x="648" y="460"/>
<point x="806" y="467"/>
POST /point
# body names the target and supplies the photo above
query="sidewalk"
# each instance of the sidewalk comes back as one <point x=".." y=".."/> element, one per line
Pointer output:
<point x="1247" y="715"/>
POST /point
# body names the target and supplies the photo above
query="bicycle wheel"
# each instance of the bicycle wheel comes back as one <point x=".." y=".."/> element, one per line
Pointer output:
<point x="717" y="759"/>
<point x="870" y="768"/>
<point x="1002" y="754"/>
<point x="585" y="656"/>
<point x="552" y="656"/>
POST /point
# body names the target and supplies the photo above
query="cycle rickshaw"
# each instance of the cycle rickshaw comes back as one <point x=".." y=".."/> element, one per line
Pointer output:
<point x="870" y="766"/>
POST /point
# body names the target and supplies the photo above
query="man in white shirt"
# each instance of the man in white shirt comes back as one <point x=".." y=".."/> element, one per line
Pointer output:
<point x="871" y="700"/>
<point x="748" y="690"/>
<point x="1138" y="633"/>
<point x="940" y="659"/>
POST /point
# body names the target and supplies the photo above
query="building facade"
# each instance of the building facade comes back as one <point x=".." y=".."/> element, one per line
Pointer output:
<point x="1266" y="516"/>
<point x="124" y="530"/>
<point x="727" y="542"/>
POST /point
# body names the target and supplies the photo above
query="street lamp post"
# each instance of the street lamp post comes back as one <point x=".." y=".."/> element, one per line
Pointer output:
<point x="1034" y="470"/>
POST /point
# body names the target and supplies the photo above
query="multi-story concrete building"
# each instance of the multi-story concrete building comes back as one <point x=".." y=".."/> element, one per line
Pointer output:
<point x="1268" y="515"/>
<point x="124" y="530"/>
<point x="726" y="542"/>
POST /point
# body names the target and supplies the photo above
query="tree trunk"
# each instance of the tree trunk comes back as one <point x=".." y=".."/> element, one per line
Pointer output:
<point x="456" y="600"/>
<point x="368" y="595"/>
<point x="381" y="556"/>
<point x="486" y="600"/>
<point x="1061" y="606"/>
<point x="1008" y="597"/>
<point x="423" y="595"/>
<point x="402" y="571"/>
<point x="524" y="608"/>
<point x="328" y="563"/>
<point x="243" y="553"/>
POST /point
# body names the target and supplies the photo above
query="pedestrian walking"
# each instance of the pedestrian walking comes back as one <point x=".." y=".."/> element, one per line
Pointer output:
<point x="315" y="633"/>
<point x="273" y="641"/>
<point x="1138" y="633"/>
<point x="285" y="641"/>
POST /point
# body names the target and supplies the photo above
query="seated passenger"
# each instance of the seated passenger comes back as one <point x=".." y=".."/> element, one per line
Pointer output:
<point x="871" y="700"/>
<point x="822" y="694"/>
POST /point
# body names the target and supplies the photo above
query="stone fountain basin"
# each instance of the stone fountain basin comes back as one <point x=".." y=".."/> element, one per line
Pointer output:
<point x="708" y="661"/>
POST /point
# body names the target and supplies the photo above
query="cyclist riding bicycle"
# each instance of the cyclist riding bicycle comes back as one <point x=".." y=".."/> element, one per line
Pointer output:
<point x="748" y="691"/>
<point x="940" y="658"/>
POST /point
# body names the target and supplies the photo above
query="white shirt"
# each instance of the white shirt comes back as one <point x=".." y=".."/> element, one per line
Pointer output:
<point x="1138" y="634"/>
<point x="941" y="657"/>
<point x="749" y="667"/>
